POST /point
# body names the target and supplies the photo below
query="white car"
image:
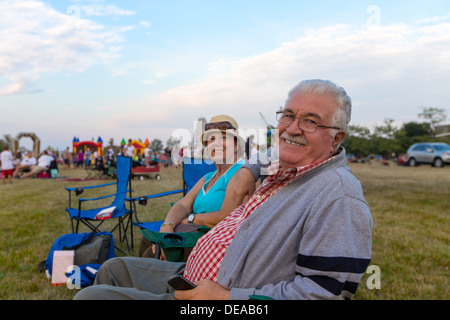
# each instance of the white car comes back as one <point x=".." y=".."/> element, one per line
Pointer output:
<point x="435" y="153"/>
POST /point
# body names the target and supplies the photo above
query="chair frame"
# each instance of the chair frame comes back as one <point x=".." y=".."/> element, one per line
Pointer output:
<point x="124" y="223"/>
<point x="142" y="200"/>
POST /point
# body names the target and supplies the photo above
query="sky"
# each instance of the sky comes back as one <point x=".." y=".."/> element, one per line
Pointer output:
<point x="148" y="69"/>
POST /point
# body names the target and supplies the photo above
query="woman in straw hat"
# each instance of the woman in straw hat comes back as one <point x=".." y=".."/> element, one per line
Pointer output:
<point x="211" y="199"/>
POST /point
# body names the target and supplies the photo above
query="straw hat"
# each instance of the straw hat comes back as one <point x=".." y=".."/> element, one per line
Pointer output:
<point x="224" y="118"/>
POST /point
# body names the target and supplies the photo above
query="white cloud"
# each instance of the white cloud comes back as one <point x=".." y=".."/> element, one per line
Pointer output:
<point x="145" y="24"/>
<point x="435" y="19"/>
<point x="12" y="88"/>
<point x="389" y="71"/>
<point x="105" y="10"/>
<point x="38" y="40"/>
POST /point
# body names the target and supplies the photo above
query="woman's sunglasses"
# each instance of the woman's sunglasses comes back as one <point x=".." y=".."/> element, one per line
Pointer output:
<point x="224" y="125"/>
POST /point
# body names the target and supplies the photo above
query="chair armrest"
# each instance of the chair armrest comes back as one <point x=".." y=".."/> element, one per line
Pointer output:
<point x="142" y="200"/>
<point x="91" y="187"/>
<point x="156" y="195"/>
<point x="102" y="197"/>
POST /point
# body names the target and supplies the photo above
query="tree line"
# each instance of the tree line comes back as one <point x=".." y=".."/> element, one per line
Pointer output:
<point x="389" y="141"/>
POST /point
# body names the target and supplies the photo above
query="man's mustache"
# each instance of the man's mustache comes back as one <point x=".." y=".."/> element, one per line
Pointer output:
<point x="295" y="139"/>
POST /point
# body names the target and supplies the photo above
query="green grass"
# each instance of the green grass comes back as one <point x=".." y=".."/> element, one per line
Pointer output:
<point x="410" y="208"/>
<point x="32" y="216"/>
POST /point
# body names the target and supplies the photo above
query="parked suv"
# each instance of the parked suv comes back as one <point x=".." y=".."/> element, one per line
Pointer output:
<point x="434" y="153"/>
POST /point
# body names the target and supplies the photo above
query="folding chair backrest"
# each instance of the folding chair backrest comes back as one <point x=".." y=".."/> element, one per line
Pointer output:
<point x="123" y="180"/>
<point x="194" y="170"/>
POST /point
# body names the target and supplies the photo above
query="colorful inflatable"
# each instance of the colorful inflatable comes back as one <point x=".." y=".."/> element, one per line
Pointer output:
<point x="76" y="143"/>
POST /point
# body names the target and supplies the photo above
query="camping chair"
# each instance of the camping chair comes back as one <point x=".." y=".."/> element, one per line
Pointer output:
<point x="193" y="170"/>
<point x="93" y="218"/>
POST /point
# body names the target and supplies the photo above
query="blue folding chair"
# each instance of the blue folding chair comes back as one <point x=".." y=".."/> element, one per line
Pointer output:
<point x="193" y="170"/>
<point x="90" y="218"/>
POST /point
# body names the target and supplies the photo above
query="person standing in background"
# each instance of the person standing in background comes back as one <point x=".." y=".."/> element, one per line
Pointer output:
<point x="7" y="158"/>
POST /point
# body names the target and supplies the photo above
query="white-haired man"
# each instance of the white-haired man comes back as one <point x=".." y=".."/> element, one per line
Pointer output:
<point x="304" y="234"/>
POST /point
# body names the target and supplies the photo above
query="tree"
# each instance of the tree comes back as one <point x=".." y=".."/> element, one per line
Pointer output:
<point x="433" y="116"/>
<point x="156" y="145"/>
<point x="357" y="141"/>
<point x="172" y="142"/>
<point x="7" y="141"/>
<point x="384" y="140"/>
<point x="414" y="129"/>
<point x="412" y="132"/>
<point x="387" y="130"/>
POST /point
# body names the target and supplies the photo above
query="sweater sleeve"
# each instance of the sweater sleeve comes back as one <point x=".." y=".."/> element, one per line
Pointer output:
<point x="259" y="163"/>
<point x="333" y="255"/>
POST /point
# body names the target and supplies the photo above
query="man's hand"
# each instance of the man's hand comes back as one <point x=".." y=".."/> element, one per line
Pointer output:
<point x="244" y="187"/>
<point x="205" y="290"/>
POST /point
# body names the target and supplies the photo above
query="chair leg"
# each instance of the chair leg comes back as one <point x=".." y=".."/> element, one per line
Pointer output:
<point x="131" y="229"/>
<point x="125" y="225"/>
<point x="124" y="237"/>
<point x="95" y="228"/>
<point x="122" y="228"/>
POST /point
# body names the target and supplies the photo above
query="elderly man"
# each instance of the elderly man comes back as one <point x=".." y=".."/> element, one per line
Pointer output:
<point x="304" y="234"/>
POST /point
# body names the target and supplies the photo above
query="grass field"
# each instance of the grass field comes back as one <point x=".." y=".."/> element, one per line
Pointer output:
<point x="410" y="208"/>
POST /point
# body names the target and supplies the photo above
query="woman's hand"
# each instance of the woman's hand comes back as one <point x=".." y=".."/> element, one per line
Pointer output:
<point x="184" y="221"/>
<point x="165" y="228"/>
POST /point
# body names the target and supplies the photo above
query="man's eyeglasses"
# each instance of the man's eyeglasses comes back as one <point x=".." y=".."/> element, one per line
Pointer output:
<point x="306" y="124"/>
<point x="222" y="126"/>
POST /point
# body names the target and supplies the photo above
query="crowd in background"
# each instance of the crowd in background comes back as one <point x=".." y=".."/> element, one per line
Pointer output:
<point x="85" y="158"/>
<point x="26" y="164"/>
